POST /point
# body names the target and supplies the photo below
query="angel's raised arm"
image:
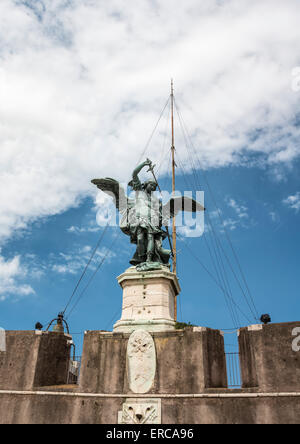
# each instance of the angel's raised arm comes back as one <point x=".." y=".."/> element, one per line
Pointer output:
<point x="135" y="183"/>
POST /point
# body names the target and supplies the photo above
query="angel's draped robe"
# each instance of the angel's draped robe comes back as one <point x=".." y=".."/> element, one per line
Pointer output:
<point x="145" y="213"/>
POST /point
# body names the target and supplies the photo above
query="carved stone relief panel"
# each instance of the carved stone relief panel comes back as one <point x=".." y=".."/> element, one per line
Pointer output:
<point x="141" y="361"/>
<point x="140" y="411"/>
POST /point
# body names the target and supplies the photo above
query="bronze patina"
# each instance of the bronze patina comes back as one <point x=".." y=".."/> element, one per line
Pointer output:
<point x="145" y="218"/>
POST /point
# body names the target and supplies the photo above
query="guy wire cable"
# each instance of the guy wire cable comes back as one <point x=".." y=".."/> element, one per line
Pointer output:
<point x="150" y="138"/>
<point x="93" y="275"/>
<point x="216" y="263"/>
<point x="87" y="265"/>
<point x="213" y="278"/>
<point x="183" y="126"/>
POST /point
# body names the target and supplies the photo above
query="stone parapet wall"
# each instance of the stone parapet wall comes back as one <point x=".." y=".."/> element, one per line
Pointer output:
<point x="77" y="408"/>
<point x="187" y="361"/>
<point x="187" y="382"/>
<point x="268" y="360"/>
<point x="34" y="359"/>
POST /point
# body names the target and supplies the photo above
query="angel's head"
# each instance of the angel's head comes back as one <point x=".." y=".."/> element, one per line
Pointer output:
<point x="150" y="186"/>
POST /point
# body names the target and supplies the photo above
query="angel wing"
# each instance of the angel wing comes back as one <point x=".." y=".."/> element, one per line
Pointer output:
<point x="177" y="204"/>
<point x="113" y="187"/>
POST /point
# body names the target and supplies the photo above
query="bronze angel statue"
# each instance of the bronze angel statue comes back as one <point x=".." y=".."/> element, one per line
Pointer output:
<point x="145" y="218"/>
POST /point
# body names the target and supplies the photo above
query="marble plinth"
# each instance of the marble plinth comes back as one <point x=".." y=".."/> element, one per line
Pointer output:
<point x="148" y="300"/>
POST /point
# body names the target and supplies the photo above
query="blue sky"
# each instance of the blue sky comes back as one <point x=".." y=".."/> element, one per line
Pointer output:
<point x="266" y="243"/>
<point x="80" y="101"/>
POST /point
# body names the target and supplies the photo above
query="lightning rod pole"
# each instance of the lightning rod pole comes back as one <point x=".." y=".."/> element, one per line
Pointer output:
<point x="174" y="256"/>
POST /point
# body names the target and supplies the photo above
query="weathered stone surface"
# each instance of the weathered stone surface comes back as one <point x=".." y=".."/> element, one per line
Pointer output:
<point x="141" y="361"/>
<point x="267" y="358"/>
<point x="234" y="409"/>
<point x="103" y="367"/>
<point x="186" y="386"/>
<point x="140" y="411"/>
<point x="33" y="360"/>
<point x="187" y="362"/>
<point x="148" y="300"/>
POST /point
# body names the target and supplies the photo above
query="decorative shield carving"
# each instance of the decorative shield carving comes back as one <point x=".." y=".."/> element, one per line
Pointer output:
<point x="141" y="361"/>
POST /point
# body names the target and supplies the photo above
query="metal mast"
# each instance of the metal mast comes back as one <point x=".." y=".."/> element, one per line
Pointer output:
<point x="173" y="192"/>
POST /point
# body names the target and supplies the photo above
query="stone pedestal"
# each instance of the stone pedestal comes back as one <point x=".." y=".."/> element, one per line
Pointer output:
<point x="148" y="300"/>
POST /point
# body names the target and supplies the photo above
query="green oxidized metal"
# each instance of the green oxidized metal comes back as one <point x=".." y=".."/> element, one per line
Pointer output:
<point x="144" y="218"/>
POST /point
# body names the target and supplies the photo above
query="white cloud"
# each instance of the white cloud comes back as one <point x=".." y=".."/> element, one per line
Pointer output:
<point x="81" y="89"/>
<point x="62" y="269"/>
<point x="12" y="275"/>
<point x="231" y="224"/>
<point x="75" y="261"/>
<point x="238" y="217"/>
<point x="293" y="201"/>
<point x="80" y="230"/>
<point x="241" y="210"/>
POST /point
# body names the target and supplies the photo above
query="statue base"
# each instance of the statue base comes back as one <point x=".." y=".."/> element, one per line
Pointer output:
<point x="148" y="300"/>
<point x="149" y="266"/>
